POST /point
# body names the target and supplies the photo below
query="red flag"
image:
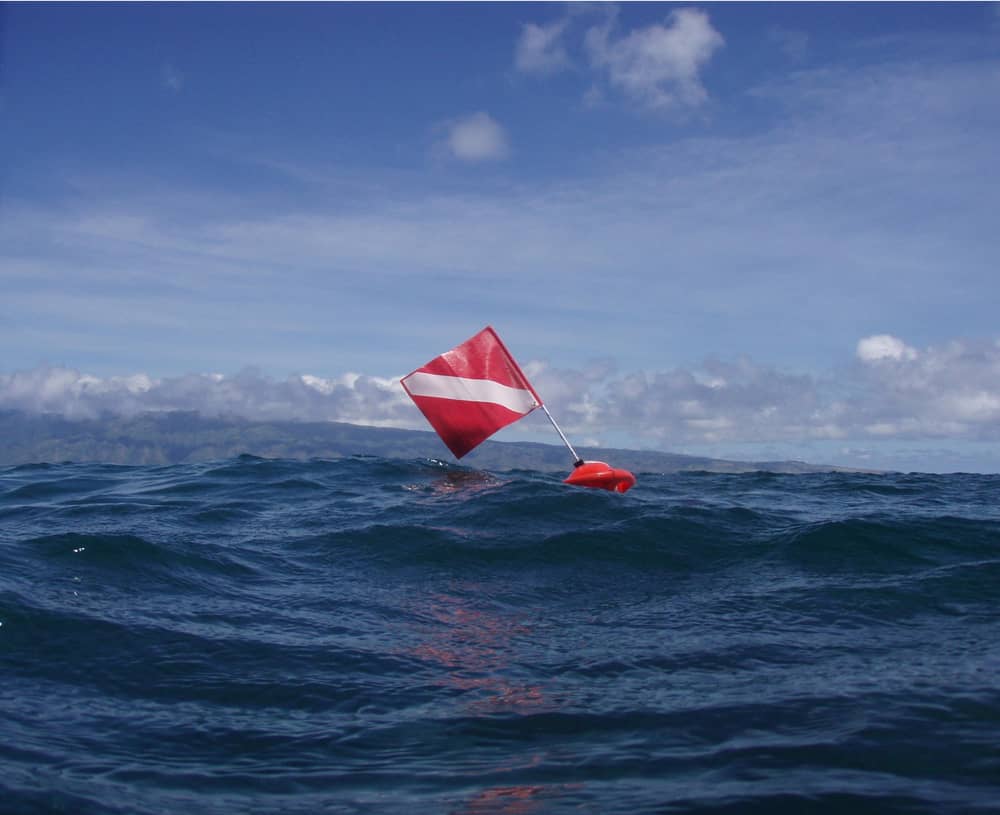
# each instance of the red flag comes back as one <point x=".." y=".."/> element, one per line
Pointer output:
<point x="471" y="391"/>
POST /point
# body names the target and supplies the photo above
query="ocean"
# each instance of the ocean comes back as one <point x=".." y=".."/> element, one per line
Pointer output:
<point x="372" y="635"/>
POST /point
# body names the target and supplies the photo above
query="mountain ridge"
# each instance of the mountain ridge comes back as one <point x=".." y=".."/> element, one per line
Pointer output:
<point x="176" y="437"/>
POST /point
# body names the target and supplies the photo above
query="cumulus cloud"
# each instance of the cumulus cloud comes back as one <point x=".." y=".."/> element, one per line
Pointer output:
<point x="540" y="48"/>
<point x="896" y="393"/>
<point x="720" y="401"/>
<point x="947" y="391"/>
<point x="350" y="398"/>
<point x="884" y="346"/>
<point x="941" y="392"/>
<point x="658" y="66"/>
<point x="477" y="137"/>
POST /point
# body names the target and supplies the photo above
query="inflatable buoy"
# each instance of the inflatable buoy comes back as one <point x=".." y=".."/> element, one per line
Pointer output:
<point x="601" y="476"/>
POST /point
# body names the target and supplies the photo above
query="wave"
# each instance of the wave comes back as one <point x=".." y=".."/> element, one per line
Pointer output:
<point x="381" y="510"/>
<point x="370" y="634"/>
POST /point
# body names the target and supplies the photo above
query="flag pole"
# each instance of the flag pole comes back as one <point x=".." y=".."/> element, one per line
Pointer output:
<point x="577" y="461"/>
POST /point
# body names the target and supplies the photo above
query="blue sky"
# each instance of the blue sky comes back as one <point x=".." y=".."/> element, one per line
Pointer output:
<point x="745" y="230"/>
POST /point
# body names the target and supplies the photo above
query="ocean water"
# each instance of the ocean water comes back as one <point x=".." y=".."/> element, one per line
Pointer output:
<point x="366" y="635"/>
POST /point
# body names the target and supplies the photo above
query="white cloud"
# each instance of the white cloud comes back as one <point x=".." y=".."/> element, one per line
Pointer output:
<point x="658" y="66"/>
<point x="540" y="49"/>
<point x="883" y="346"/>
<point x="351" y="398"/>
<point x="948" y="392"/>
<point x="477" y="137"/>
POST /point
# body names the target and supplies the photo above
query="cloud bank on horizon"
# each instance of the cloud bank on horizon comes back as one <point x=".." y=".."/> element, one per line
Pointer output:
<point x="893" y="391"/>
<point x="717" y="201"/>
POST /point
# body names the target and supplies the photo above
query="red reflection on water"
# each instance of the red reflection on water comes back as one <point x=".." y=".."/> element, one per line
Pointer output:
<point x="472" y="646"/>
<point x="520" y="800"/>
<point x="469" y="640"/>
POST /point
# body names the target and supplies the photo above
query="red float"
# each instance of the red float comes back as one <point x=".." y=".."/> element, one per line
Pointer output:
<point x="601" y="476"/>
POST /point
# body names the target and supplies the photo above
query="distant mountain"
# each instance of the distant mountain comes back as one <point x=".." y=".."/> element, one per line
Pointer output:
<point x="180" y="437"/>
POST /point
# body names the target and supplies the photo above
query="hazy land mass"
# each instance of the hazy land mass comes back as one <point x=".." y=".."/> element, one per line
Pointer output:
<point x="183" y="437"/>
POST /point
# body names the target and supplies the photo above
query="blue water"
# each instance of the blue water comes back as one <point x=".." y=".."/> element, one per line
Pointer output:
<point x="366" y="635"/>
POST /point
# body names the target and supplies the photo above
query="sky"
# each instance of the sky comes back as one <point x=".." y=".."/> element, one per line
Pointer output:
<point x="744" y="230"/>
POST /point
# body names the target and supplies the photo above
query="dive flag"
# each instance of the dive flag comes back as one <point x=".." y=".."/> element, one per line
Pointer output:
<point x="471" y="391"/>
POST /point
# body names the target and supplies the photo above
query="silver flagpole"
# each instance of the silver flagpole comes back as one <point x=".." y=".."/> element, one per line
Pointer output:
<point x="577" y="461"/>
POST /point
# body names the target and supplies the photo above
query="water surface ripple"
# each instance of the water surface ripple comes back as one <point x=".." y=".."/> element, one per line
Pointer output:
<point x="367" y="635"/>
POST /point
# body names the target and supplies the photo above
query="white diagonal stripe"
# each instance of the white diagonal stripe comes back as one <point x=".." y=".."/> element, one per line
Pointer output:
<point x="470" y="390"/>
